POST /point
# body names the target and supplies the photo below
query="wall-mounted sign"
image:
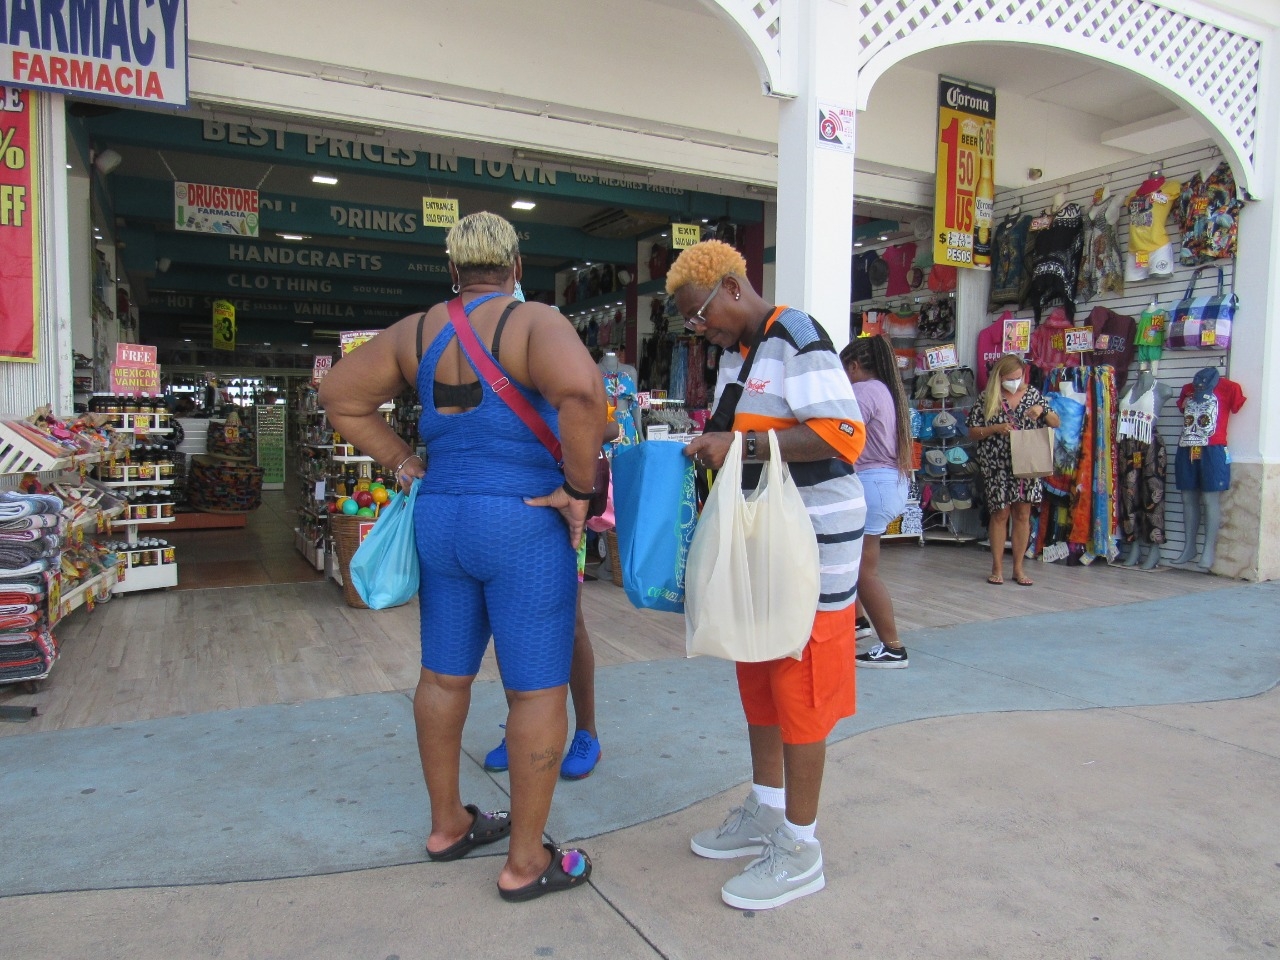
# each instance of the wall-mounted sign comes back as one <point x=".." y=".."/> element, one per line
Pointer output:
<point x="114" y="50"/>
<point x="19" y="225"/>
<point x="135" y="370"/>
<point x="685" y="235"/>
<point x="964" y="192"/>
<point x="270" y="440"/>
<point x="224" y="325"/>
<point x="209" y="208"/>
<point x="135" y="355"/>
<point x="439" y="213"/>
<point x="835" y="127"/>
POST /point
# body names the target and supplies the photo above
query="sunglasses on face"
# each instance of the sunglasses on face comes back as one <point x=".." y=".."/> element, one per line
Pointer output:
<point x="697" y="323"/>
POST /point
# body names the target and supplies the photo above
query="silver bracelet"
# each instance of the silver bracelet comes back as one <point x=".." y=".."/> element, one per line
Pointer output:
<point x="411" y="456"/>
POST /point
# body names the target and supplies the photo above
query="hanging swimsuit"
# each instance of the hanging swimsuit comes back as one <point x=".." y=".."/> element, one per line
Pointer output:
<point x="490" y="563"/>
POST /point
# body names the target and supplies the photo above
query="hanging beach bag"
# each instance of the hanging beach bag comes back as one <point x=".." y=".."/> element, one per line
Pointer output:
<point x="753" y="579"/>
<point x="1202" y="323"/>
<point x="384" y="567"/>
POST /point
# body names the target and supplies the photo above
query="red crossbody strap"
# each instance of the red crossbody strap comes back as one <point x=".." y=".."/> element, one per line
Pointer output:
<point x="499" y="381"/>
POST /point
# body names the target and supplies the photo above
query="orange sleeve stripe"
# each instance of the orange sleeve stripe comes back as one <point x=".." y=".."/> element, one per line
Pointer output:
<point x="848" y="446"/>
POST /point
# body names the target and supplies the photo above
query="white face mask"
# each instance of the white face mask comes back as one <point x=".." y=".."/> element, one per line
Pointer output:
<point x="1011" y="385"/>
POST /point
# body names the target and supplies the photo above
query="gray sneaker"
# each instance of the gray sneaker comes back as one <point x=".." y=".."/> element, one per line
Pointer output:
<point x="741" y="835"/>
<point x="787" y="870"/>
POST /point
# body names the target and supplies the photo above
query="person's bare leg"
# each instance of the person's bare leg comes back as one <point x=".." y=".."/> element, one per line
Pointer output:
<point x="766" y="756"/>
<point x="1021" y="537"/>
<point x="440" y="706"/>
<point x="875" y="595"/>
<point x="536" y="728"/>
<point x="582" y="675"/>
<point x="996" y="530"/>
<point x="804" y="763"/>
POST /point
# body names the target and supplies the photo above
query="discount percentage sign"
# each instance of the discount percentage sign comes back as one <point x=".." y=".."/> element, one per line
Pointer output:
<point x="11" y="156"/>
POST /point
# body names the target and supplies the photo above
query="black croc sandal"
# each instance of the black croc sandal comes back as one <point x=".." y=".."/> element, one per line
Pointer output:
<point x="485" y="828"/>
<point x="568" y="869"/>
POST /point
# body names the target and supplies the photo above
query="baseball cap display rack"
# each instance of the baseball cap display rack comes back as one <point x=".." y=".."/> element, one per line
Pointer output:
<point x="947" y="496"/>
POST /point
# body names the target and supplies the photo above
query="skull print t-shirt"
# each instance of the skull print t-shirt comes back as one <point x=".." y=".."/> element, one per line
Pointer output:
<point x="1204" y="421"/>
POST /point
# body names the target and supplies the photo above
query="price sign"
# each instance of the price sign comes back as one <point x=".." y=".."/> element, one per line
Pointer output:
<point x="231" y="433"/>
<point x="1017" y="336"/>
<point x="322" y="365"/>
<point x="941" y="357"/>
<point x="964" y="188"/>
<point x="1079" y="339"/>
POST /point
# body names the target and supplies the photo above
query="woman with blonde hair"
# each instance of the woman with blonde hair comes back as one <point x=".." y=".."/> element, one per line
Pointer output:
<point x="485" y="466"/>
<point x="883" y="469"/>
<point x="790" y="381"/>
<point x="1008" y="403"/>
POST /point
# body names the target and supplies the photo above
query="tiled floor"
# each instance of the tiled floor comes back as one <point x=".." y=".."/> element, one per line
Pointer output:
<point x="260" y="552"/>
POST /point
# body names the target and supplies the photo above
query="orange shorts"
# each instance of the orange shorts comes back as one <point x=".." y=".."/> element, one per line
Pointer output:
<point x="809" y="696"/>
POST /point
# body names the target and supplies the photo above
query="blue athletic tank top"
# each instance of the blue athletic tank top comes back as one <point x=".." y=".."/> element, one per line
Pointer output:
<point x="486" y="450"/>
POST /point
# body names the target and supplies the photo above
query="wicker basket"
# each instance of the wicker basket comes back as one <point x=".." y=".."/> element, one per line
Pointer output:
<point x="218" y="485"/>
<point x="615" y="557"/>
<point x="346" y="537"/>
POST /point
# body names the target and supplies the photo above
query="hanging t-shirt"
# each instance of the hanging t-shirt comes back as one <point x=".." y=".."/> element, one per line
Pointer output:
<point x="1008" y="266"/>
<point x="899" y="258"/>
<point x="1151" y="333"/>
<point x="1204" y="421"/>
<point x="1147" y="215"/>
<point x="616" y="385"/>
<point x="861" y="280"/>
<point x="1055" y="261"/>
<point x="990" y="349"/>
<point x="1113" y="339"/>
<point x="1207" y="211"/>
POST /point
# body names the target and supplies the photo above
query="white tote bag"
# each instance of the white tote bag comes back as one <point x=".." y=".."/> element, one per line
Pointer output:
<point x="752" y="578"/>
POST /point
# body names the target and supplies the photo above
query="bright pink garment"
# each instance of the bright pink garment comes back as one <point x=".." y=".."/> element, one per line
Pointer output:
<point x="899" y="261"/>
<point x="990" y="349"/>
<point x="1049" y="343"/>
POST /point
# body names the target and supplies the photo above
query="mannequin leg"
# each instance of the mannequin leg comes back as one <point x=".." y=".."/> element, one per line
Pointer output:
<point x="1191" y="522"/>
<point x="1135" y="552"/>
<point x="1212" y="521"/>
<point x="1153" y="557"/>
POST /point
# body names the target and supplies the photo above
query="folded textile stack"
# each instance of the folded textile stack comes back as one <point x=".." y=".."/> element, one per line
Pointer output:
<point x="30" y="546"/>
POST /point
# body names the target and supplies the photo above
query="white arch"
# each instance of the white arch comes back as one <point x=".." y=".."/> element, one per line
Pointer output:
<point x="1211" y="70"/>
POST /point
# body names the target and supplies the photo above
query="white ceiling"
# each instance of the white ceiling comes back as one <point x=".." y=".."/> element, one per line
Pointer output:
<point x="1058" y="77"/>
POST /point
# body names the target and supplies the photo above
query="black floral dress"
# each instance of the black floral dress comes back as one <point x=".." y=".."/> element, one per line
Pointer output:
<point x="995" y="460"/>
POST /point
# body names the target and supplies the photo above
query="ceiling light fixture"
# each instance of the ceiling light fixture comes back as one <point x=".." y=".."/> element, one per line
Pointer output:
<point x="293" y="236"/>
<point x="107" y="160"/>
<point x="324" y="178"/>
<point x="857" y="243"/>
<point x="884" y="236"/>
<point x="522" y="204"/>
<point x="306" y="344"/>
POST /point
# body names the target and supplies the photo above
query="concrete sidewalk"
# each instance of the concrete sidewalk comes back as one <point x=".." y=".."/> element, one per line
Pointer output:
<point x="1111" y="832"/>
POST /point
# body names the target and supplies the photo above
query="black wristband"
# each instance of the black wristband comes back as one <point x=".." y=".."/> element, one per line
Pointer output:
<point x="576" y="494"/>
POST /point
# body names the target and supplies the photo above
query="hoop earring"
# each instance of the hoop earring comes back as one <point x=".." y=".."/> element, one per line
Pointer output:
<point x="455" y="288"/>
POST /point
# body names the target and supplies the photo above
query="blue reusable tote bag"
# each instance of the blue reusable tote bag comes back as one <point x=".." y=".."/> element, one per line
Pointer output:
<point x="653" y="505"/>
<point x="384" y="568"/>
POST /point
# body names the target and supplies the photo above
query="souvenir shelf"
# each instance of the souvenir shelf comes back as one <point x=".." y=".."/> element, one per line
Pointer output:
<point x="315" y="468"/>
<point x="143" y="564"/>
<point x="940" y="525"/>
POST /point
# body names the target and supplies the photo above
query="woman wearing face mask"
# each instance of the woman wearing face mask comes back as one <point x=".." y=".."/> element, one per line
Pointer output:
<point x="1009" y="403"/>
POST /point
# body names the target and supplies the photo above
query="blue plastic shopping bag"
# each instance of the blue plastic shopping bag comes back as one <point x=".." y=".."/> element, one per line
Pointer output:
<point x="653" y="503"/>
<point x="384" y="569"/>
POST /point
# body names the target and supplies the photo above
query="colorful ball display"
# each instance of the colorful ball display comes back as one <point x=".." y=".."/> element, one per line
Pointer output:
<point x="350" y="507"/>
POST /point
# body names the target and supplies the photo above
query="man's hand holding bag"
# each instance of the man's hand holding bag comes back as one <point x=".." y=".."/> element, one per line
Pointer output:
<point x="753" y="579"/>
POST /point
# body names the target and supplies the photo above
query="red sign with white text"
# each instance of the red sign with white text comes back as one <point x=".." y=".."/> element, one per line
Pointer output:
<point x="135" y="355"/>
<point x="19" y="227"/>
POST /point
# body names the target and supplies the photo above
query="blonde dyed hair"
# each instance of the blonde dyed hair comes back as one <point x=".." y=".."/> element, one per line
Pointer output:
<point x="1004" y="369"/>
<point x="704" y="265"/>
<point x="482" y="240"/>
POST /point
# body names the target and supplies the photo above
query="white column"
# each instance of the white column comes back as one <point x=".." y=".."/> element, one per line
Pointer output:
<point x="815" y="183"/>
<point x="1249" y="545"/>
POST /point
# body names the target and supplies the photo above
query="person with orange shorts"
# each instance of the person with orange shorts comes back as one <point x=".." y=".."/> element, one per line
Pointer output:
<point x="795" y="385"/>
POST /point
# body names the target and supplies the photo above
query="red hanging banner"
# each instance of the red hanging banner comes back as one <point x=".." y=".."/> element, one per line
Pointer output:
<point x="19" y="227"/>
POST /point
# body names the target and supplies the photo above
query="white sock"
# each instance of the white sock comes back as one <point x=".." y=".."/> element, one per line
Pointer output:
<point x="770" y="796"/>
<point x="804" y="834"/>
